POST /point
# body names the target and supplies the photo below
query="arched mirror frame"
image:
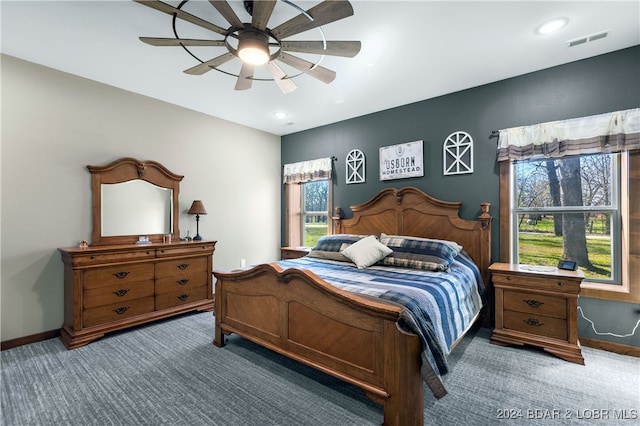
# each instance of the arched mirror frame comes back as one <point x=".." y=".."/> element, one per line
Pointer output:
<point x="125" y="170"/>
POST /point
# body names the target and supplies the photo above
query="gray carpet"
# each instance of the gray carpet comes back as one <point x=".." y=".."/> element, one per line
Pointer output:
<point x="169" y="373"/>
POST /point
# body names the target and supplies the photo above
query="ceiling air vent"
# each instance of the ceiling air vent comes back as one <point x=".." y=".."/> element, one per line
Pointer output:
<point x="582" y="40"/>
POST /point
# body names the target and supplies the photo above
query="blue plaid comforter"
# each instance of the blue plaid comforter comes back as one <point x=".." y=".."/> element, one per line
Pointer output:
<point x="438" y="306"/>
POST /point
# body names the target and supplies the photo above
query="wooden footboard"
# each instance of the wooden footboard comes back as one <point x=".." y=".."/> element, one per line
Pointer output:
<point x="349" y="336"/>
<point x="301" y="316"/>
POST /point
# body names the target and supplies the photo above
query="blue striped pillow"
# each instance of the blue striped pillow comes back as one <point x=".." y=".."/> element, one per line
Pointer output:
<point x="419" y="253"/>
<point x="330" y="246"/>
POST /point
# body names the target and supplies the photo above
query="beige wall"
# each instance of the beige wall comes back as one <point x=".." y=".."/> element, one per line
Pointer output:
<point x="54" y="124"/>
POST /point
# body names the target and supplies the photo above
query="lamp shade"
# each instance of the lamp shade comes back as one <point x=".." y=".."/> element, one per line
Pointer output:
<point x="197" y="208"/>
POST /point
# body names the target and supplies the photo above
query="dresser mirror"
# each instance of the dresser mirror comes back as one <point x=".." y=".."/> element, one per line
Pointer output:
<point x="133" y="198"/>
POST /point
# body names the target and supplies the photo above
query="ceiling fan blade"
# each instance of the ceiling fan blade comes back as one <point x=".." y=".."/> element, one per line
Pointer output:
<point x="207" y="66"/>
<point x="227" y="12"/>
<point x="347" y="49"/>
<point x="321" y="73"/>
<point x="262" y="10"/>
<point x="170" y="10"/>
<point x="157" y="41"/>
<point x="324" y="13"/>
<point x="245" y="78"/>
<point x="285" y="84"/>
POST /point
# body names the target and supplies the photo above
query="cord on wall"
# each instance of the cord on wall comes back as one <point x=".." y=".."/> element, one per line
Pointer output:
<point x="593" y="326"/>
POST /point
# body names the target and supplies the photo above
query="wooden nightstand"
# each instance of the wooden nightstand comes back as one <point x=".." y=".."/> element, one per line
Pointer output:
<point x="538" y="308"/>
<point x="293" y="252"/>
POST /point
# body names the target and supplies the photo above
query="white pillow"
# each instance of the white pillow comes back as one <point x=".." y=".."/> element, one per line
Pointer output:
<point x="366" y="252"/>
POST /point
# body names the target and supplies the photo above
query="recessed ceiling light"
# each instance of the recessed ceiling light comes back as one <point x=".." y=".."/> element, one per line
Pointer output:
<point x="280" y="115"/>
<point x="552" y="25"/>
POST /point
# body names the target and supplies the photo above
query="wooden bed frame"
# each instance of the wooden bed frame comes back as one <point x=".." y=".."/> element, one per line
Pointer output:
<point x="354" y="338"/>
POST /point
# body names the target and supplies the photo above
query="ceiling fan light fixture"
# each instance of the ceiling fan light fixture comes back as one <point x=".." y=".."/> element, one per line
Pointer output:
<point x="253" y="48"/>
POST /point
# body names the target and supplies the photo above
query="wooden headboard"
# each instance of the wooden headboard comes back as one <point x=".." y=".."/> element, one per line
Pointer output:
<point x="409" y="211"/>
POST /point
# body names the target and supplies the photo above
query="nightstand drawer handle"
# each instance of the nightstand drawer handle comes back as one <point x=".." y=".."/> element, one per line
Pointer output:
<point x="534" y="321"/>
<point x="183" y="266"/>
<point x="122" y="292"/>
<point x="533" y="303"/>
<point x="183" y="281"/>
<point x="560" y="283"/>
<point x="121" y="310"/>
<point x="183" y="297"/>
<point x="120" y="275"/>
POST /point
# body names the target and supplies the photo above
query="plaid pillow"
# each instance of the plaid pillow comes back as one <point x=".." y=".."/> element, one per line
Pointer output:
<point x="330" y="246"/>
<point x="419" y="253"/>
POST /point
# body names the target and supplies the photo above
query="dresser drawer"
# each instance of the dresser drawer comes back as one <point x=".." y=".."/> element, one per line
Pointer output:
<point x="181" y="268"/>
<point x="190" y="249"/>
<point x="177" y="298"/>
<point x="183" y="282"/>
<point x="122" y="274"/>
<point x="89" y="259"/>
<point x="117" y="311"/>
<point x="537" y="304"/>
<point x="557" y="284"/>
<point x="535" y="324"/>
<point x="117" y="293"/>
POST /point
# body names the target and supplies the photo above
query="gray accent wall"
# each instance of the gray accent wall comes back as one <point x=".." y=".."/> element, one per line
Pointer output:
<point x="597" y="85"/>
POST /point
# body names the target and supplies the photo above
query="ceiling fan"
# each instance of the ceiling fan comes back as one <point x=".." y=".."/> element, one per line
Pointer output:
<point x="258" y="45"/>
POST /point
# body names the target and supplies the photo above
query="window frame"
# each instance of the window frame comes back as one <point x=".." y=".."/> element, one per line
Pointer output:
<point x="304" y="213"/>
<point x="614" y="209"/>
<point x="294" y="223"/>
<point x="628" y="291"/>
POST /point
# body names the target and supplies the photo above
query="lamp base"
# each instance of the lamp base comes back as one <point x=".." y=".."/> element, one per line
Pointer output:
<point x="197" y="238"/>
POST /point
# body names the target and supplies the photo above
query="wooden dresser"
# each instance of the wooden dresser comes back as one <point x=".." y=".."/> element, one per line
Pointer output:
<point x="537" y="308"/>
<point x="112" y="287"/>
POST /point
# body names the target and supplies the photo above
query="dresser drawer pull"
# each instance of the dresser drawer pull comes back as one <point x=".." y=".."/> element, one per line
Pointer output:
<point x="533" y="303"/>
<point x="534" y="321"/>
<point x="183" y="266"/>
<point x="508" y="278"/>
<point x="559" y="283"/>
<point x="183" y="297"/>
<point x="120" y="275"/>
<point x="183" y="281"/>
<point x="122" y="292"/>
<point x="121" y="310"/>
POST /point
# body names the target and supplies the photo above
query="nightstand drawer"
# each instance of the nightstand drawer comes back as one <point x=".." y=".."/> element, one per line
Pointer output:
<point x="536" y="324"/>
<point x="293" y="252"/>
<point x="557" y="284"/>
<point x="536" y="304"/>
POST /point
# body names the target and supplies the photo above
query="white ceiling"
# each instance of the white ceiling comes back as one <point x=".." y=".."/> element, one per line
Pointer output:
<point x="411" y="51"/>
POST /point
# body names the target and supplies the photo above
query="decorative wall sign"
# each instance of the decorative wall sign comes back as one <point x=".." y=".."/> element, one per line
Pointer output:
<point x="355" y="166"/>
<point x="457" y="154"/>
<point x="401" y="161"/>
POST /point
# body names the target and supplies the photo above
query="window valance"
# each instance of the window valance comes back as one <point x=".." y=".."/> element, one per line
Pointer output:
<point x="610" y="132"/>
<point x="306" y="171"/>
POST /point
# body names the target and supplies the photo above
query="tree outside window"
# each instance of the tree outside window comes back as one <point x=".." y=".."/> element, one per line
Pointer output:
<point x="569" y="208"/>
<point x="315" y="211"/>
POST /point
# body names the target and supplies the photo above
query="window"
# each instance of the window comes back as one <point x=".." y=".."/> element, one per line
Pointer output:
<point x="315" y="211"/>
<point x="569" y="208"/>
<point x="569" y="189"/>
<point x="308" y="201"/>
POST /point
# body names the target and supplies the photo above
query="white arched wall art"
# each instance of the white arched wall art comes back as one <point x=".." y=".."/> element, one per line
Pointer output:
<point x="457" y="154"/>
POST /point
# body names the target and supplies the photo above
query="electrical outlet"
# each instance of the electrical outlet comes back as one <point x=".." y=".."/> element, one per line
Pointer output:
<point x="242" y="263"/>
